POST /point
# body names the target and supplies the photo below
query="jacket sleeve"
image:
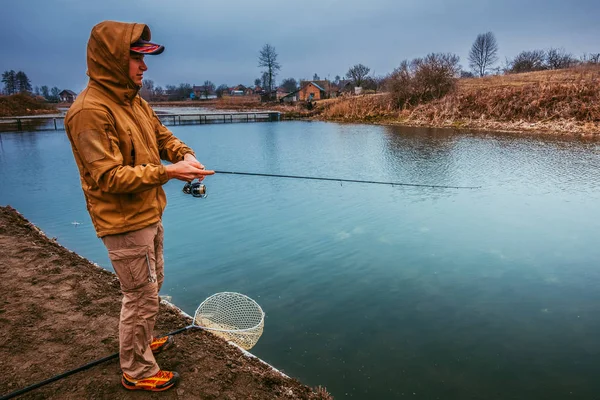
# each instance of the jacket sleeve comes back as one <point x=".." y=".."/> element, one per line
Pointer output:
<point x="169" y="147"/>
<point x="95" y="140"/>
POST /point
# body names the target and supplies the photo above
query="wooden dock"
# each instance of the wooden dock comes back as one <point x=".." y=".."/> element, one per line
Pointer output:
<point x="55" y="123"/>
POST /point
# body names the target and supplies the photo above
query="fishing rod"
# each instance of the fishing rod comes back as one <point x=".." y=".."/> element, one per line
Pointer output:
<point x="197" y="189"/>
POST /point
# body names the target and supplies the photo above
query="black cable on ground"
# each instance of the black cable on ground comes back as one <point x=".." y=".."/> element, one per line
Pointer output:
<point x="74" y="371"/>
<point x="348" y="180"/>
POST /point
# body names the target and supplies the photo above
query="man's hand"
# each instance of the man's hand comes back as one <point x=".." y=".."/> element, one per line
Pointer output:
<point x="192" y="160"/>
<point x="188" y="169"/>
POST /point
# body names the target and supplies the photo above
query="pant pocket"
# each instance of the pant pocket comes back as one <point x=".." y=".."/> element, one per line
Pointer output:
<point x="132" y="266"/>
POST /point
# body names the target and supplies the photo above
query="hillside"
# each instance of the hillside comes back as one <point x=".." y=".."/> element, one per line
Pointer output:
<point x="562" y="101"/>
<point x="23" y="104"/>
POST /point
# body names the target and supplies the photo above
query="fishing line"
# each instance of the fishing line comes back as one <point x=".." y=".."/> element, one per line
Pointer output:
<point x="348" y="180"/>
<point x="197" y="189"/>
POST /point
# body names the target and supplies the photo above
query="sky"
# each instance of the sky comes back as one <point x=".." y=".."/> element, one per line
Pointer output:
<point x="220" y="41"/>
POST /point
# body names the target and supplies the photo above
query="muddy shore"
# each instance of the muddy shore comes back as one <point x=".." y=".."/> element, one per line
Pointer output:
<point x="59" y="311"/>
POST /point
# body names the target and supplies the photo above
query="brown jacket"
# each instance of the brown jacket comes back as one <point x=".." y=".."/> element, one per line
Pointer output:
<point x="117" y="140"/>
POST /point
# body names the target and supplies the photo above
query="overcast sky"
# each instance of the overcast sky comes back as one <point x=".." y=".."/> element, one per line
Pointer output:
<point x="220" y="41"/>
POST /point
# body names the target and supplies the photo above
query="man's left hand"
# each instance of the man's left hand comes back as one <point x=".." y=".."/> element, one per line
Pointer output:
<point x="191" y="159"/>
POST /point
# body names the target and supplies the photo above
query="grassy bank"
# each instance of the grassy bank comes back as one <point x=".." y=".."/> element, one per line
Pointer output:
<point x="560" y="102"/>
<point x="22" y="104"/>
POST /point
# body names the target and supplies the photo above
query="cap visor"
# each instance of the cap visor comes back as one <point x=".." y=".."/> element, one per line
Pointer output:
<point x="147" y="48"/>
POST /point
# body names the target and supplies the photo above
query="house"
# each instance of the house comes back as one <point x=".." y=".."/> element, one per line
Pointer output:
<point x="67" y="96"/>
<point x="310" y="91"/>
<point x="343" y="86"/>
<point x="203" y="92"/>
<point x="281" y="92"/>
<point x="290" y="97"/>
<point x="241" y="90"/>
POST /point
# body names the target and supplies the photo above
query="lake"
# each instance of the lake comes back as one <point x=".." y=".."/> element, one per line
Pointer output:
<point x="374" y="291"/>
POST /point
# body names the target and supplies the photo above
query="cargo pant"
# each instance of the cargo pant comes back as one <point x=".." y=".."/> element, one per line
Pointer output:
<point x="137" y="258"/>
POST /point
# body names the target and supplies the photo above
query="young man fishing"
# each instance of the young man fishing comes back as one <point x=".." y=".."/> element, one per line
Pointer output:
<point x="118" y="143"/>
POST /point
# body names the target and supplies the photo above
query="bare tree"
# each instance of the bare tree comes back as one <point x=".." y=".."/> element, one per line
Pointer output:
<point x="483" y="53"/>
<point x="267" y="58"/>
<point x="222" y="89"/>
<point x="423" y="79"/>
<point x="592" y="58"/>
<point x="207" y="89"/>
<point x="559" y="59"/>
<point x="289" y="84"/>
<point x="147" y="89"/>
<point x="527" y="61"/>
<point x="358" y="73"/>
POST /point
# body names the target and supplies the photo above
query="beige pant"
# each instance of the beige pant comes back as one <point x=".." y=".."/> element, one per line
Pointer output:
<point x="137" y="258"/>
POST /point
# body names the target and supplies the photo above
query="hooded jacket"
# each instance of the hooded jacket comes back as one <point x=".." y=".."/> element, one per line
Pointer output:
<point x="117" y="140"/>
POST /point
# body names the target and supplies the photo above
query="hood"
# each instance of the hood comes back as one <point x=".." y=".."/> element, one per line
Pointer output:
<point x="108" y="57"/>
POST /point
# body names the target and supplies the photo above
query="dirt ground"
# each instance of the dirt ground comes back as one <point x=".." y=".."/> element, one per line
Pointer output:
<point x="59" y="311"/>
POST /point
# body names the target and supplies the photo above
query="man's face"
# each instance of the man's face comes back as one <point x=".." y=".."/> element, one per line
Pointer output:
<point x="137" y="66"/>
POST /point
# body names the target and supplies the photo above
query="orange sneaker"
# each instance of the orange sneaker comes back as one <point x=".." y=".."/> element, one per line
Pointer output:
<point x="158" y="382"/>
<point x="160" y="344"/>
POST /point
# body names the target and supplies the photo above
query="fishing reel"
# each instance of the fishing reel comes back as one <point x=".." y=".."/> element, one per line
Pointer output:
<point x="196" y="189"/>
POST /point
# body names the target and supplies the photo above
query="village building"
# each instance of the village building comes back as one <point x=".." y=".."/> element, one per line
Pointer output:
<point x="203" y="92"/>
<point x="67" y="96"/>
<point x="311" y="91"/>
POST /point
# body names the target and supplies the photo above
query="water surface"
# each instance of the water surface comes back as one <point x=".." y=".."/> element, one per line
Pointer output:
<point x="374" y="291"/>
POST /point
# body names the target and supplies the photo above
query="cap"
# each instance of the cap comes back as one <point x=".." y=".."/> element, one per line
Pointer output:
<point x="146" y="47"/>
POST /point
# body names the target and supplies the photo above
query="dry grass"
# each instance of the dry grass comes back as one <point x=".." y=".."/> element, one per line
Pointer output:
<point x="365" y="108"/>
<point x="564" y="101"/>
<point x="22" y="104"/>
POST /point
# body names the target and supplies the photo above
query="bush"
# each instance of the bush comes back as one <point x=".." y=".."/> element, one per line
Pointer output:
<point x="423" y="79"/>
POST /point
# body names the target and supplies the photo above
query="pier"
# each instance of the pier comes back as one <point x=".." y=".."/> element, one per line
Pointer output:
<point x="55" y="123"/>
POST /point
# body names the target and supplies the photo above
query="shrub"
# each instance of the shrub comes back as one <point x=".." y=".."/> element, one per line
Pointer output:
<point x="423" y="79"/>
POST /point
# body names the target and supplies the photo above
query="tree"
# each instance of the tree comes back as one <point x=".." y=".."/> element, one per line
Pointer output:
<point x="268" y="59"/>
<point x="358" y="73"/>
<point x="527" y="61"/>
<point x="337" y="79"/>
<point x="54" y="94"/>
<point x="23" y="84"/>
<point x="316" y="77"/>
<point x="45" y="92"/>
<point x="559" y="59"/>
<point x="207" y="89"/>
<point x="147" y="89"/>
<point x="183" y="91"/>
<point x="36" y="91"/>
<point x="158" y="91"/>
<point x="289" y="84"/>
<point x="223" y="88"/>
<point x="593" y="58"/>
<point x="257" y="82"/>
<point x="10" y="82"/>
<point x="423" y="79"/>
<point x="483" y="53"/>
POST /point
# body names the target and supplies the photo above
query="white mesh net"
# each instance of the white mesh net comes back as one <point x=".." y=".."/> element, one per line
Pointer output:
<point x="232" y="316"/>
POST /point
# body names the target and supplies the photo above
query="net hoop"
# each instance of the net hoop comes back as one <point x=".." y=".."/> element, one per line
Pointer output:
<point x="233" y="316"/>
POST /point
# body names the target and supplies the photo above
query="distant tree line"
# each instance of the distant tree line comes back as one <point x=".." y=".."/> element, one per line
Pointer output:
<point x="18" y="82"/>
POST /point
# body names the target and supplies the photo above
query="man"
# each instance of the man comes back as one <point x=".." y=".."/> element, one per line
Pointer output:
<point x="118" y="142"/>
